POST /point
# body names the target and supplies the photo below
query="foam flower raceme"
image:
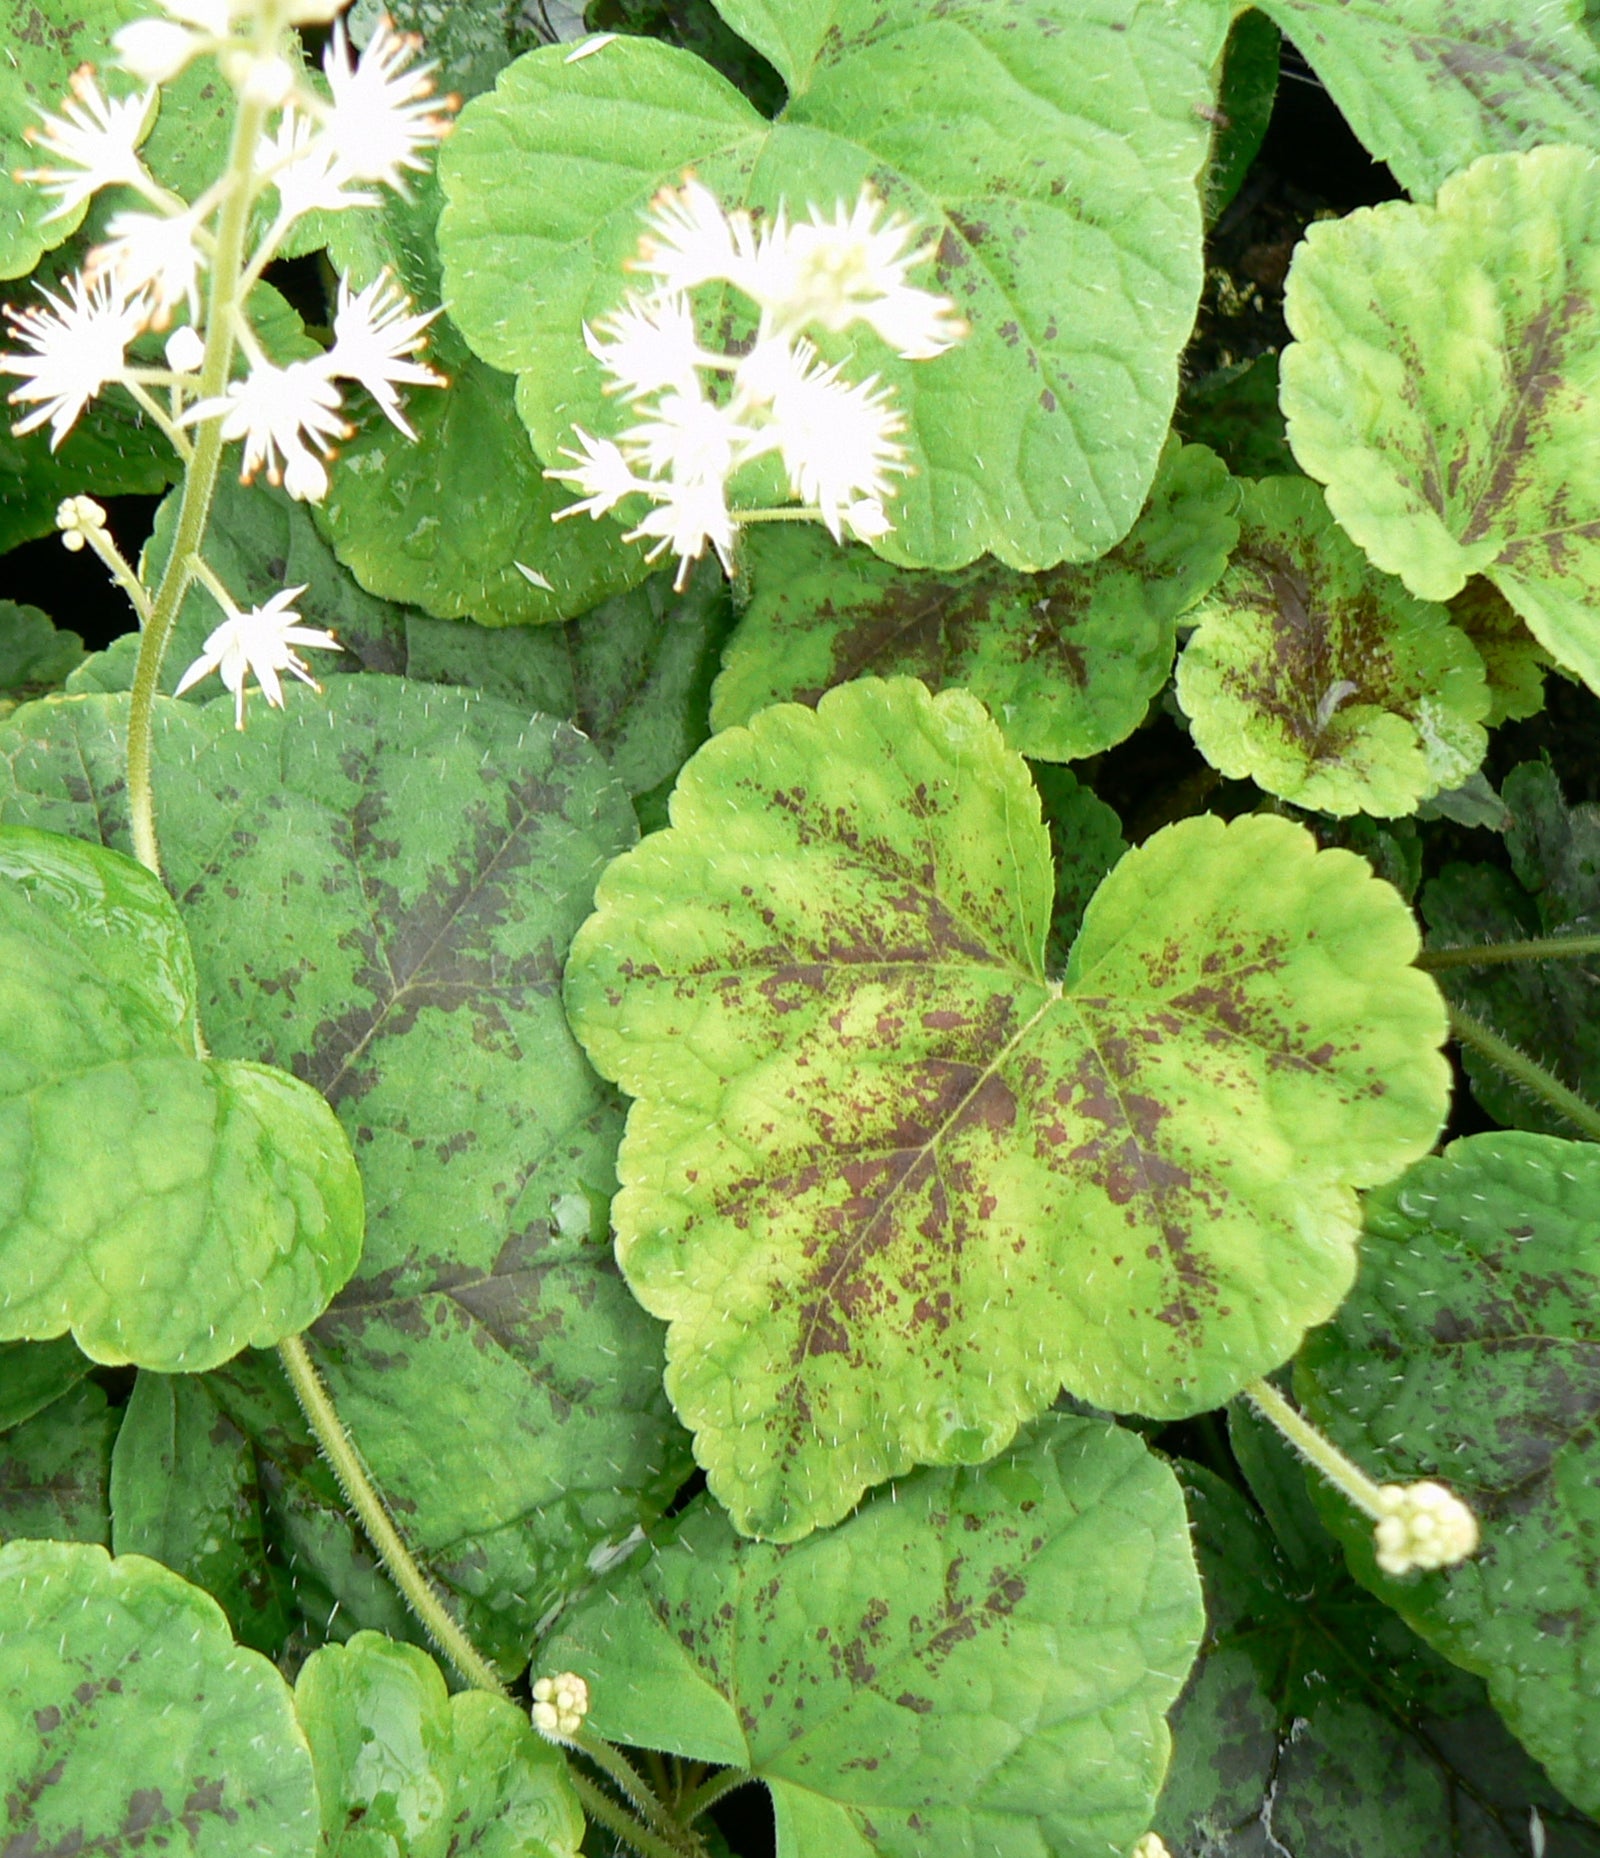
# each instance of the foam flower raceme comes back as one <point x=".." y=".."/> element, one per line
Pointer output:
<point x="701" y="415"/>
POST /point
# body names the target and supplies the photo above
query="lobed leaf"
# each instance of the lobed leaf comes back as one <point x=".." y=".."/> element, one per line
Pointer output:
<point x="218" y="1204"/>
<point x="1320" y="679"/>
<point x="1441" y="385"/>
<point x="890" y="1186"/>
<point x="1470" y="1351"/>
<point x="382" y="883"/>
<point x="131" y="1720"/>
<point x="1037" y="438"/>
<point x="1067" y="660"/>
<point x="978" y="1660"/>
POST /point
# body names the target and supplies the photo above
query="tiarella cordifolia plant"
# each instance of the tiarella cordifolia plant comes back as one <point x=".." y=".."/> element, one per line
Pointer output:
<point x="626" y="1029"/>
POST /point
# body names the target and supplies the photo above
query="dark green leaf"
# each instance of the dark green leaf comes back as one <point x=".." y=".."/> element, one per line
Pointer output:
<point x="1244" y="107"/>
<point x="32" y="1374"/>
<point x="54" y="1471"/>
<point x="34" y="657"/>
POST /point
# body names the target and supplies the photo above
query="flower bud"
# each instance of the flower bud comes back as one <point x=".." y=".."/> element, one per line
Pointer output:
<point x="1422" y="1526"/>
<point x="559" y="1706"/>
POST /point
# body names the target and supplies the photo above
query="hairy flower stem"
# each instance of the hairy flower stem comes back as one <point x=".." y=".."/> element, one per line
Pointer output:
<point x="200" y="478"/>
<point x="1345" y="1476"/>
<point x="112" y="559"/>
<point x="1533" y="1077"/>
<point x="612" y="1762"/>
<point x="1546" y="948"/>
<point x="709" y="1792"/>
<point x="605" y="1811"/>
<point x="362" y="1496"/>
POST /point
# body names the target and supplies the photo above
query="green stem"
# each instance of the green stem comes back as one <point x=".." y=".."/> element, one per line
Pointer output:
<point x="708" y="1793"/>
<point x="599" y="1805"/>
<point x="1533" y="1077"/>
<point x="362" y="1496"/>
<point x="117" y="567"/>
<point x="200" y="478"/>
<point x="1323" y="1453"/>
<point x="1546" y="948"/>
<point x="630" y="1782"/>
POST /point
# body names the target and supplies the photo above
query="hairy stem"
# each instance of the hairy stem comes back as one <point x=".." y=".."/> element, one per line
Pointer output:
<point x="612" y="1762"/>
<point x="1545" y="948"/>
<point x="709" y="1792"/>
<point x="615" y="1817"/>
<point x="362" y="1496"/>
<point x="1533" y="1077"/>
<point x="1323" y="1453"/>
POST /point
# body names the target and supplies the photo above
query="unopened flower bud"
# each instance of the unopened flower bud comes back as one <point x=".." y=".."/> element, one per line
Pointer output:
<point x="185" y="351"/>
<point x="1422" y="1526"/>
<point x="75" y="516"/>
<point x="559" y="1705"/>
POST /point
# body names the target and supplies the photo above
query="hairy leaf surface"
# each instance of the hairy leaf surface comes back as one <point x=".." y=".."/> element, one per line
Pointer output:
<point x="1442" y="385"/>
<point x="32" y="1374"/>
<point x="1428" y="85"/>
<point x="131" y="1720"/>
<point x="1067" y="660"/>
<point x="1322" y="680"/>
<point x="34" y="656"/>
<point x="1470" y="1351"/>
<point x="1514" y="662"/>
<point x="55" y="1468"/>
<point x="1037" y="438"/>
<point x="382" y="882"/>
<point x="218" y="1203"/>
<point x="890" y="1185"/>
<point x="978" y="1660"/>
<point x="405" y="1770"/>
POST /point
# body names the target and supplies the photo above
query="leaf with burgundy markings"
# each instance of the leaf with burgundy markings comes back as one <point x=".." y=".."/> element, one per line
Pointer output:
<point x="1469" y="1351"/>
<point x="890" y="1185"/>
<point x="1322" y="680"/>
<point x="977" y="1661"/>
<point x="1067" y="660"/>
<point x="1441" y="385"/>
<point x="381" y="882"/>
<point x="55" y="1469"/>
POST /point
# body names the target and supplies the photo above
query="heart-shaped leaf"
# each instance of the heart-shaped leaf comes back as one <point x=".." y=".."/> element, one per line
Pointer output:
<point x="1469" y="1351"/>
<point x="891" y="1185"/>
<point x="1429" y="84"/>
<point x="977" y="1661"/>
<point x="382" y="882"/>
<point x="1036" y="439"/>
<point x="132" y="1720"/>
<point x="1322" y="680"/>
<point x="405" y="1770"/>
<point x="218" y="1204"/>
<point x="1067" y="660"/>
<point x="1441" y="385"/>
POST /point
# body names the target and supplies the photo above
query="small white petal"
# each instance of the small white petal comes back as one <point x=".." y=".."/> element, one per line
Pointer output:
<point x="596" y="42"/>
<point x="185" y="351"/>
<point x="373" y="331"/>
<point x="689" y="240"/>
<point x="532" y="575"/>
<point x="380" y="119"/>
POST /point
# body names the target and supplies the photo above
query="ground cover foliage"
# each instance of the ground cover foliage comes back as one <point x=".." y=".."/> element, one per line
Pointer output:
<point x="800" y="1116"/>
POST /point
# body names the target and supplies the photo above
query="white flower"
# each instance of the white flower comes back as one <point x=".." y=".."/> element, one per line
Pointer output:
<point x="158" y="49"/>
<point x="648" y="345"/>
<point x="691" y="439"/>
<point x="275" y="411"/>
<point x="79" y="344"/>
<point x="372" y="333"/>
<point x="601" y="472"/>
<point x="828" y="272"/>
<point x="560" y="1705"/>
<point x="97" y="138"/>
<point x="259" y="643"/>
<point x="1422" y="1526"/>
<point x="689" y="240"/>
<point x="185" y="351"/>
<point x="302" y="164"/>
<point x="836" y="437"/>
<point x="379" y="118"/>
<point x="155" y="255"/>
<point x="685" y="519"/>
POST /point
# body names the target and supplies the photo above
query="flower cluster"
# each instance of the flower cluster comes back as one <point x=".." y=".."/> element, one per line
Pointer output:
<point x="560" y="1704"/>
<point x="701" y="415"/>
<point x="1422" y="1526"/>
<point x="303" y="150"/>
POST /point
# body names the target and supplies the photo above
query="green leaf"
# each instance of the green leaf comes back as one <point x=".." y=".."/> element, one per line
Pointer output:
<point x="1067" y="660"/>
<point x="696" y="26"/>
<point x="219" y="1203"/>
<point x="1429" y="84"/>
<point x="34" y="657"/>
<point x="184" y="1491"/>
<point x="469" y="40"/>
<point x="978" y="1660"/>
<point x="1245" y="98"/>
<point x="382" y="883"/>
<point x="405" y="1770"/>
<point x="1467" y="1352"/>
<point x="890" y="1186"/>
<point x="54" y="1470"/>
<point x="1037" y="438"/>
<point x="1235" y="411"/>
<point x="1514" y="662"/>
<point x="1316" y="1723"/>
<point x="1085" y="842"/>
<point x="1440" y="387"/>
<point x="32" y="1374"/>
<point x="1320" y="679"/>
<point x="132" y="1720"/>
<point x="1551" y="1009"/>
